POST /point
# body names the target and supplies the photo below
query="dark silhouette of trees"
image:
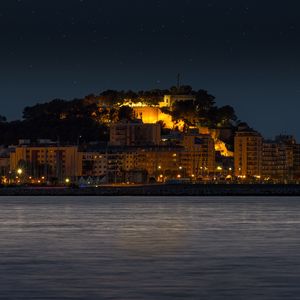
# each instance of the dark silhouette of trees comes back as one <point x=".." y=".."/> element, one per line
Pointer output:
<point x="184" y="110"/>
<point x="204" y="101"/>
<point x="202" y="111"/>
<point x="57" y="120"/>
<point x="125" y="113"/>
<point x="226" y="115"/>
<point x="91" y="116"/>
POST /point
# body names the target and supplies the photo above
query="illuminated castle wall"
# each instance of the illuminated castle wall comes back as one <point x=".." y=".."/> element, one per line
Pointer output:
<point x="152" y="115"/>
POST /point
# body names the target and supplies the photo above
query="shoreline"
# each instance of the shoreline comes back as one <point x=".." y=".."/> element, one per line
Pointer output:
<point x="161" y="190"/>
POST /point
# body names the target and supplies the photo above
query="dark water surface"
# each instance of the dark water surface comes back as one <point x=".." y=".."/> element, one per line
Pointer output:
<point x="149" y="248"/>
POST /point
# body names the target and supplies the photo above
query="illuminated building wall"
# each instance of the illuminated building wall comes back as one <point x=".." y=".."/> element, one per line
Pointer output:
<point x="112" y="163"/>
<point x="199" y="155"/>
<point x="152" y="115"/>
<point x="219" y="145"/>
<point x="46" y="161"/>
<point x="126" y="133"/>
<point x="170" y="99"/>
<point x="160" y="163"/>
<point x="277" y="160"/>
<point x="247" y="154"/>
<point x="296" y="162"/>
<point x="92" y="164"/>
<point x="192" y="159"/>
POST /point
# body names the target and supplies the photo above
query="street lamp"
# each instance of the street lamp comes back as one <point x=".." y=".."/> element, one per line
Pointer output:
<point x="161" y="176"/>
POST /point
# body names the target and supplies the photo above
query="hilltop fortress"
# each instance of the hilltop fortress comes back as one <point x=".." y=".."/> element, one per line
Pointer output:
<point x="152" y="114"/>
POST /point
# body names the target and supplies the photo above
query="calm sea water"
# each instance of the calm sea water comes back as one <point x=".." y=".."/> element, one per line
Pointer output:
<point x="149" y="248"/>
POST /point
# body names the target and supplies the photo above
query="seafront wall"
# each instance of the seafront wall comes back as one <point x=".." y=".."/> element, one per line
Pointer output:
<point x="162" y="190"/>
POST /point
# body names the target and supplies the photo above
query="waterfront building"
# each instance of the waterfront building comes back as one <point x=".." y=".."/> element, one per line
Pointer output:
<point x="296" y="162"/>
<point x="198" y="157"/>
<point x="247" y="153"/>
<point x="5" y="163"/>
<point x="277" y="159"/>
<point x="108" y="162"/>
<point x="161" y="163"/>
<point x="193" y="158"/>
<point x="44" y="160"/>
<point x="92" y="163"/>
<point x="119" y="161"/>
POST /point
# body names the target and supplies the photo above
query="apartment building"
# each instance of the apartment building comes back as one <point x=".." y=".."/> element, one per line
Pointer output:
<point x="247" y="153"/>
<point x="277" y="160"/>
<point x="198" y="157"/>
<point x="161" y="163"/>
<point x="134" y="133"/>
<point x="45" y="160"/>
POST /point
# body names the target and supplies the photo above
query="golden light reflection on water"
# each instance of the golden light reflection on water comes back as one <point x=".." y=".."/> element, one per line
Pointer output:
<point x="162" y="234"/>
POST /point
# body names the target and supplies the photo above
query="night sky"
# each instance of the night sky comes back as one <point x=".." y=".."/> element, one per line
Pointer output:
<point x="246" y="53"/>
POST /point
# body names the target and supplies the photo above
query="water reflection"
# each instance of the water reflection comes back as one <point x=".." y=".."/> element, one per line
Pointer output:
<point x="149" y="248"/>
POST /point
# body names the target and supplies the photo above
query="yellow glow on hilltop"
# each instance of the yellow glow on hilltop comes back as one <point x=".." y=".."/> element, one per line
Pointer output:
<point x="132" y="104"/>
<point x="221" y="147"/>
<point x="152" y="115"/>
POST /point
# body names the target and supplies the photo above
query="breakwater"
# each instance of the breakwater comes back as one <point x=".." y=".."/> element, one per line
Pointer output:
<point x="161" y="190"/>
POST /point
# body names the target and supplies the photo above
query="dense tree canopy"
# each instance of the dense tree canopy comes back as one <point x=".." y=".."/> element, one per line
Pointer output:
<point x="125" y="113"/>
<point x="91" y="116"/>
<point x="203" y="111"/>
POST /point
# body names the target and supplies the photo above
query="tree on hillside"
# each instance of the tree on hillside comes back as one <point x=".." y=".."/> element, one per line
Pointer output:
<point x="61" y="109"/>
<point x="184" y="110"/>
<point x="152" y="97"/>
<point x="111" y="97"/>
<point x="131" y="96"/>
<point x="226" y="115"/>
<point x="52" y="110"/>
<point x="90" y="117"/>
<point x="125" y="113"/>
<point x="204" y="101"/>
